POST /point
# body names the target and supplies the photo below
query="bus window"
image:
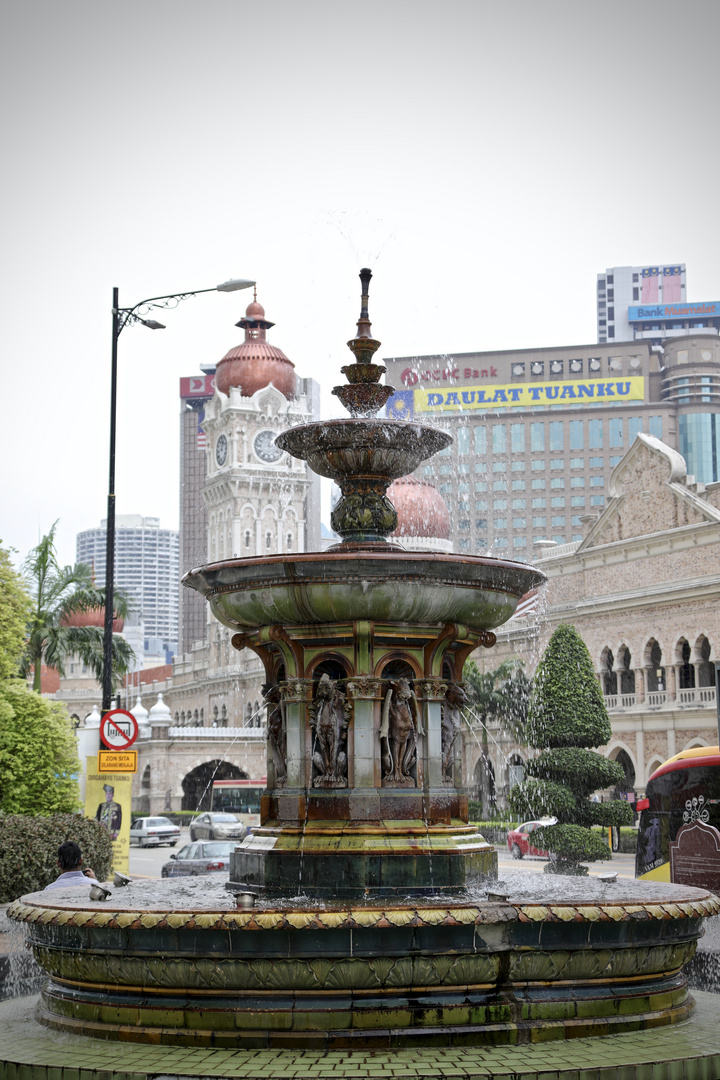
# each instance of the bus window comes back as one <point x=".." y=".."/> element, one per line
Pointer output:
<point x="241" y="797"/>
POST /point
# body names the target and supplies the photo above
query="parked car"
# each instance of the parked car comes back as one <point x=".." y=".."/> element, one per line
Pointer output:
<point x="217" y="826"/>
<point x="153" y="831"/>
<point x="519" y="841"/>
<point x="199" y="858"/>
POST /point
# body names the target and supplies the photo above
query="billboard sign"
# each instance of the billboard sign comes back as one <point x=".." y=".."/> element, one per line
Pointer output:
<point x="197" y="386"/>
<point x="423" y="399"/>
<point x="654" y="312"/>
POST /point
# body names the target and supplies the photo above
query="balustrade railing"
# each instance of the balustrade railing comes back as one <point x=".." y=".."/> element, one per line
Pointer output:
<point x="627" y="700"/>
<point x="227" y="733"/>
<point x="697" y="695"/>
<point x="656" y="697"/>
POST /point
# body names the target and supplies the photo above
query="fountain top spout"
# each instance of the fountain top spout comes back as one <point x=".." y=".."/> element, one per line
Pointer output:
<point x="364" y="396"/>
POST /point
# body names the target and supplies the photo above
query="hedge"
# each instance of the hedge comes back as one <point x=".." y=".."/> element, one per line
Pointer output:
<point x="28" y="850"/>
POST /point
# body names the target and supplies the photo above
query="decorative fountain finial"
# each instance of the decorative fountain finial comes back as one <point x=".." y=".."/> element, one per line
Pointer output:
<point x="364" y="396"/>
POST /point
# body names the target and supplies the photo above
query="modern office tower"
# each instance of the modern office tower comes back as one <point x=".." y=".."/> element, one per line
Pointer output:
<point x="621" y="290"/>
<point x="146" y="567"/>
<point x="538" y="432"/>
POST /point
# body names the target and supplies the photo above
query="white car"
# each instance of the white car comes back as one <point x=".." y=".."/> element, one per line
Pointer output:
<point x="153" y="831"/>
<point x="217" y="826"/>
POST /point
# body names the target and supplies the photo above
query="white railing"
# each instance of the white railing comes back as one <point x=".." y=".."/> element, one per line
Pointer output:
<point x="656" y="697"/>
<point x="227" y="733"/>
<point x="611" y="701"/>
<point x="627" y="700"/>
<point x="703" y="695"/>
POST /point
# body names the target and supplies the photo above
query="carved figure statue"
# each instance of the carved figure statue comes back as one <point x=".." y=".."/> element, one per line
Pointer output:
<point x="276" y="733"/>
<point x="329" y="725"/>
<point x="455" y="699"/>
<point x="401" y="725"/>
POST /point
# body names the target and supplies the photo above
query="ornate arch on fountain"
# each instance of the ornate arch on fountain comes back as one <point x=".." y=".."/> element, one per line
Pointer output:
<point x="330" y="661"/>
<point x="397" y="656"/>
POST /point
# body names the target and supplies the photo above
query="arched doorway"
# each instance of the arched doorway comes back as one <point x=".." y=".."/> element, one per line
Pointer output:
<point x="484" y="781"/>
<point x="197" y="785"/>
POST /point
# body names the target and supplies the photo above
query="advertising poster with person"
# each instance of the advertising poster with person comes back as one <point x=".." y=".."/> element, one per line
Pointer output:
<point x="108" y="800"/>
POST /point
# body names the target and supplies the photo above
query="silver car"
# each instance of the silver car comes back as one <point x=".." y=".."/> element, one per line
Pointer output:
<point x="217" y="826"/>
<point x="153" y="831"/>
<point x="199" y="859"/>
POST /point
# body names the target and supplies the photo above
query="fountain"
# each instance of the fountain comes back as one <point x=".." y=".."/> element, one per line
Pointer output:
<point x="369" y="914"/>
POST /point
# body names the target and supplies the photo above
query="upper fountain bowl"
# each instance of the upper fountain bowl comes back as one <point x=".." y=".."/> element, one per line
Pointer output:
<point x="367" y="448"/>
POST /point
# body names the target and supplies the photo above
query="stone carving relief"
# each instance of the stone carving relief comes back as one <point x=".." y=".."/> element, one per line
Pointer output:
<point x="455" y="700"/>
<point x="276" y="733"/>
<point x="399" y="732"/>
<point x="329" y="723"/>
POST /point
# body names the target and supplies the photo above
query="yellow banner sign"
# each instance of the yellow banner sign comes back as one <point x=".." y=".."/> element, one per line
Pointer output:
<point x="108" y="799"/>
<point x="117" y="761"/>
<point x="528" y="395"/>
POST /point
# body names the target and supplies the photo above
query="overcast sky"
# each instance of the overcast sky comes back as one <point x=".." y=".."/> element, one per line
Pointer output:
<point x="485" y="159"/>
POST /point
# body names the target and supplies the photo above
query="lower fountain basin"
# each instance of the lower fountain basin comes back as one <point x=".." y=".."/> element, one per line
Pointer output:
<point x="174" y="963"/>
<point x="384" y="586"/>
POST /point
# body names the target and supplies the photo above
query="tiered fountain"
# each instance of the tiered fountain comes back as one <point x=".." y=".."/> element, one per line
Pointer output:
<point x="377" y="919"/>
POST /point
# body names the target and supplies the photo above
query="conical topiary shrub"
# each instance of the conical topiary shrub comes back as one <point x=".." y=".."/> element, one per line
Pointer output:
<point x="567" y="717"/>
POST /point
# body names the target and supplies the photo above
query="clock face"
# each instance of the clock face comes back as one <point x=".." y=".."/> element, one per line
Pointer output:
<point x="221" y="450"/>
<point x="265" y="447"/>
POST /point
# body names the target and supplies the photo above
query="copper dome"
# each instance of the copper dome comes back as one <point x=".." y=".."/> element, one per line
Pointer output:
<point x="256" y="363"/>
<point x="421" y="509"/>
<point x="93" y="617"/>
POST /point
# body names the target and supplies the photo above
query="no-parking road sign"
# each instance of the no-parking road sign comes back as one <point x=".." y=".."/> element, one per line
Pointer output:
<point x="118" y="729"/>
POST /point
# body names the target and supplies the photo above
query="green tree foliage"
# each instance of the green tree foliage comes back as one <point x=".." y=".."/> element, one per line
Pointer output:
<point x="500" y="696"/>
<point x="28" y="850"/>
<point x="39" y="763"/>
<point x="15" y="604"/>
<point x="566" y="718"/>
<point x="57" y="594"/>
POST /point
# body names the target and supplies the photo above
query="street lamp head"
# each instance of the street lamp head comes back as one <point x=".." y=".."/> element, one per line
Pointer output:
<point x="234" y="284"/>
<point x="152" y="324"/>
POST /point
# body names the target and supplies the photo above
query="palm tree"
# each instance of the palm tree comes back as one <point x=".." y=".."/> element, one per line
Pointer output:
<point x="499" y="696"/>
<point x="59" y="593"/>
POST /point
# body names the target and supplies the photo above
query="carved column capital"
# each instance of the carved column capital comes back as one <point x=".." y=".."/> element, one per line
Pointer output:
<point x="430" y="688"/>
<point x="294" y="690"/>
<point x="364" y="687"/>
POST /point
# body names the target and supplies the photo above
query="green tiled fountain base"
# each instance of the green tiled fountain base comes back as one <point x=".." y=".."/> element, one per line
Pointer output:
<point x="687" y="1051"/>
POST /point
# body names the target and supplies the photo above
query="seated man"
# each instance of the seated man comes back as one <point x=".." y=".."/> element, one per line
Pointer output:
<point x="70" y="861"/>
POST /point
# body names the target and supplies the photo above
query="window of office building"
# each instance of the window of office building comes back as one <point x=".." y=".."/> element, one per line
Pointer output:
<point x="499" y="466"/>
<point x="577" y="500"/>
<point x="538" y="466"/>
<point x="597" y="481"/>
<point x="464" y="545"/>
<point x="558" y="502"/>
<point x="500" y="523"/>
<point x="539" y="522"/>
<point x="481" y="504"/>
<point x="596" y="463"/>
<point x="500" y="485"/>
<point x="557" y="463"/>
<point x="597" y="500"/>
<point x="615" y="460"/>
<point x="481" y="523"/>
<point x="595" y="434"/>
<point x="464" y="524"/>
<point x="518" y="466"/>
<point x="539" y="485"/>
<point x="517" y="438"/>
<point x="464" y="467"/>
<point x="519" y="541"/>
<point x="498" y="438"/>
<point x="462" y="435"/>
<point x="518" y="485"/>
<point x="519" y="523"/>
<point x="575" y="520"/>
<point x="499" y="504"/>
<point x="558" y="522"/>
<point x="481" y="466"/>
<point x="577" y="481"/>
<point x="655" y="426"/>
<point x="463" y="486"/>
<point x="501" y="541"/>
<point x="538" y="504"/>
<point x="481" y="439"/>
<point x="557" y="482"/>
<point x="519" y="504"/>
<point x="481" y="485"/>
<point x="615" y="432"/>
<point x="445" y="452"/>
<point x="445" y="489"/>
<point x="576" y="435"/>
<point x="634" y="426"/>
<point x="577" y="463"/>
<point x="556" y="435"/>
<point x="428" y="470"/>
<point x="445" y="470"/>
<point x="537" y="438"/>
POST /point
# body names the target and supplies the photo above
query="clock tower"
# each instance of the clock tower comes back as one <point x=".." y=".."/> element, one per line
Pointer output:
<point x="260" y="501"/>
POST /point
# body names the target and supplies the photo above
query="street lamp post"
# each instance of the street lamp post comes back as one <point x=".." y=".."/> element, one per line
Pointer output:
<point x="121" y="317"/>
